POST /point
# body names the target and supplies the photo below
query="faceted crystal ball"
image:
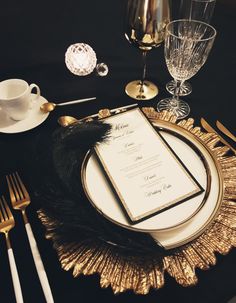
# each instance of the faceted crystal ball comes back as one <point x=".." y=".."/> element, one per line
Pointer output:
<point x="80" y="59"/>
<point x="102" y="69"/>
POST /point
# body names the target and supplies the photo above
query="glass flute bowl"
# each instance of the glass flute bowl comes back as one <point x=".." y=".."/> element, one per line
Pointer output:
<point x="187" y="46"/>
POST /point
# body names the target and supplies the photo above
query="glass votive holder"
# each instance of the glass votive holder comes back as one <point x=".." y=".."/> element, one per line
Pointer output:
<point x="80" y="59"/>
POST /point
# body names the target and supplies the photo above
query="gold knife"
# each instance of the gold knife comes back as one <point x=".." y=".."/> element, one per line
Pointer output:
<point x="225" y="130"/>
<point x="210" y="129"/>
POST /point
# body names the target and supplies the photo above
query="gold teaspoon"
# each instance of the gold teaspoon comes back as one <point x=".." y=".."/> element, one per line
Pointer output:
<point x="66" y="120"/>
<point x="49" y="106"/>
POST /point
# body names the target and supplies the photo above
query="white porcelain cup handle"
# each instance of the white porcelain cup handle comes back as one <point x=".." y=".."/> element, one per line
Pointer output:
<point x="32" y="86"/>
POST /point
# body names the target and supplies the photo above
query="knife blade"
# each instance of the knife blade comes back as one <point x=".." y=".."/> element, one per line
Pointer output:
<point x="210" y="129"/>
<point x="225" y="130"/>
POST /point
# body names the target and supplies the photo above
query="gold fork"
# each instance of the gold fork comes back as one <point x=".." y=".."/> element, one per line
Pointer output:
<point x="20" y="199"/>
<point x="7" y="222"/>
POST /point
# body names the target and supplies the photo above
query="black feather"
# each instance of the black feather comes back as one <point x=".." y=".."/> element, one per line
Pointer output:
<point x="61" y="193"/>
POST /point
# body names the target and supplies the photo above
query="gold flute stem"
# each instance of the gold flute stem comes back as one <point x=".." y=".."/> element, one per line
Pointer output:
<point x="144" y="68"/>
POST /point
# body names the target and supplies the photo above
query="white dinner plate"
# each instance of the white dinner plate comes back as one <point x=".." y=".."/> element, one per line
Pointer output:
<point x="178" y="224"/>
<point x="34" y="118"/>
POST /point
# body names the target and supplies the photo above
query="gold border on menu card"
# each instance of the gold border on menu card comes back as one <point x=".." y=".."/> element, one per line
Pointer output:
<point x="186" y="133"/>
<point x="134" y="220"/>
<point x="162" y="125"/>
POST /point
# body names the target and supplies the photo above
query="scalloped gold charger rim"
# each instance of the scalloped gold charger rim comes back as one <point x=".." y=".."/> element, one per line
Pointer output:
<point x="139" y="274"/>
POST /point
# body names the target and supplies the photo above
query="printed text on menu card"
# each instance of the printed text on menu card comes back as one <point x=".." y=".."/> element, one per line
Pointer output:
<point x="145" y="173"/>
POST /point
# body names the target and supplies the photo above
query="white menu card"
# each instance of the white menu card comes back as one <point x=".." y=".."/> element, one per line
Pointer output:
<point x="145" y="173"/>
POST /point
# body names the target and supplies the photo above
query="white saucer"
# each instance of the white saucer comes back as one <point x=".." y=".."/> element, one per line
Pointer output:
<point x="34" y="118"/>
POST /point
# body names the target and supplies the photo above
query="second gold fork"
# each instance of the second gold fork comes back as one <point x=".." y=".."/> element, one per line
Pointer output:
<point x="20" y="199"/>
<point x="7" y="222"/>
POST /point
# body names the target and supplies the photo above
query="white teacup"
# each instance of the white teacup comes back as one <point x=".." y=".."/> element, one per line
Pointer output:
<point x="16" y="98"/>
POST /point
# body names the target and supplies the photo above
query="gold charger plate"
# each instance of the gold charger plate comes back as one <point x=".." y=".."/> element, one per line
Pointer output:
<point x="180" y="224"/>
<point x="140" y="273"/>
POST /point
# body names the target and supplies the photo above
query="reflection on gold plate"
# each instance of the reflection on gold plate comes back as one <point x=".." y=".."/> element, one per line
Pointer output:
<point x="200" y="163"/>
<point x="140" y="273"/>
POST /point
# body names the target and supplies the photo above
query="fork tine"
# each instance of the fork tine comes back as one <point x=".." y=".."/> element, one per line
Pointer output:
<point x="9" y="213"/>
<point x="1" y="215"/>
<point x="14" y="189"/>
<point x="21" y="185"/>
<point x="4" y="214"/>
<point x="11" y="191"/>
<point x="17" y="188"/>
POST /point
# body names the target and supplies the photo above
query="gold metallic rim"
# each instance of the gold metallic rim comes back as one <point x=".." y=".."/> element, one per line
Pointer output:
<point x="172" y="128"/>
<point x="140" y="273"/>
<point x="220" y="177"/>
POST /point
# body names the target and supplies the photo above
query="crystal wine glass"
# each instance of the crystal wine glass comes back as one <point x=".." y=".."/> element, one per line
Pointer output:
<point x="200" y="10"/>
<point x="187" y="46"/>
<point x="145" y="28"/>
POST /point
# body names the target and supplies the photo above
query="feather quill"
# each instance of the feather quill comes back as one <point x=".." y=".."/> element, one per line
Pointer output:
<point x="61" y="194"/>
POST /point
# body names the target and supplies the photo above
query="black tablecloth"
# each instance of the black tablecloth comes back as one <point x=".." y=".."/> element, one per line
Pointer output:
<point x="34" y="39"/>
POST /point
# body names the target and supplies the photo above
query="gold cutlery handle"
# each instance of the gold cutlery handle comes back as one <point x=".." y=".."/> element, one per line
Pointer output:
<point x="210" y="129"/>
<point x="15" y="277"/>
<point x="225" y="130"/>
<point x="39" y="265"/>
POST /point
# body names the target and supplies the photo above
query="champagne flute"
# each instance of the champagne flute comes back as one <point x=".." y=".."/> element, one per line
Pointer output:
<point x="187" y="46"/>
<point x="145" y="28"/>
<point x="200" y="10"/>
